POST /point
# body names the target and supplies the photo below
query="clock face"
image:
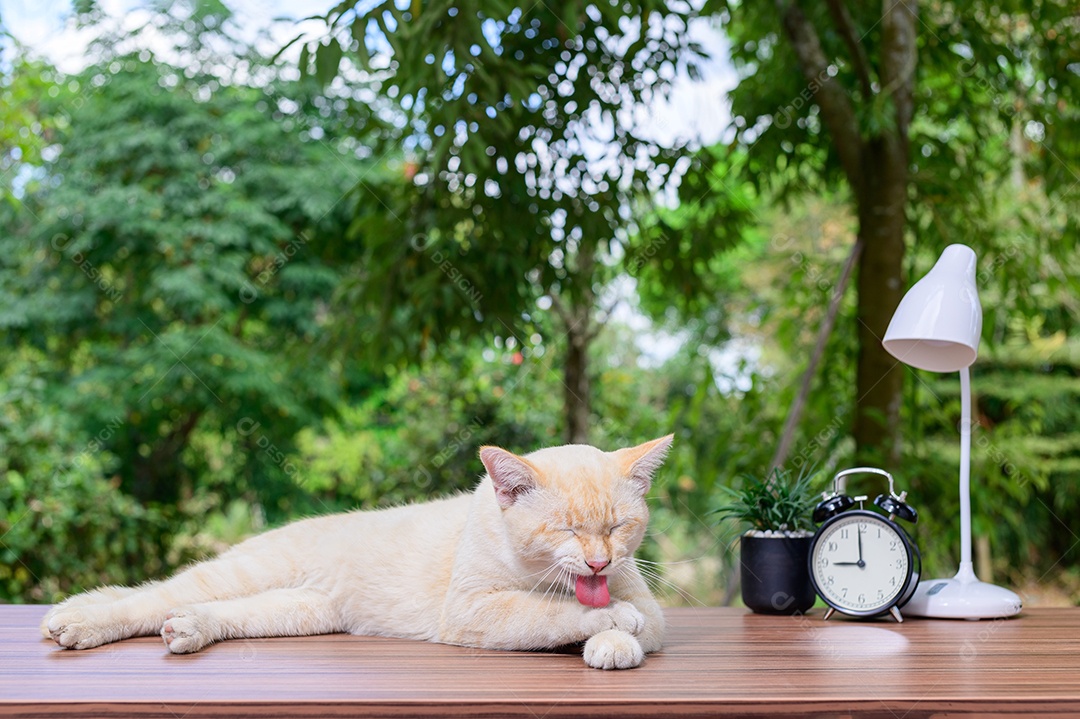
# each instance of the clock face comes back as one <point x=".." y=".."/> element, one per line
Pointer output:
<point x="860" y="563"/>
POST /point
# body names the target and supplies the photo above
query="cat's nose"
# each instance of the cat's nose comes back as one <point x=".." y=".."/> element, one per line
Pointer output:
<point x="597" y="564"/>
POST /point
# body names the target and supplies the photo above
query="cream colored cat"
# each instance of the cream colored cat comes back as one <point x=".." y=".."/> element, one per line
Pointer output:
<point x="540" y="555"/>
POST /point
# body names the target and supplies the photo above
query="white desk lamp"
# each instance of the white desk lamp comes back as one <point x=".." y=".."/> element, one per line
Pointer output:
<point x="937" y="328"/>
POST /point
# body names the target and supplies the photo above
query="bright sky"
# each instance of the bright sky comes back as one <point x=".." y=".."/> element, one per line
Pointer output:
<point x="697" y="110"/>
<point x="43" y="25"/>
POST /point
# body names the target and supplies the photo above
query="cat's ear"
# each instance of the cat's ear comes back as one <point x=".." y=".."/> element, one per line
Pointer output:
<point x="640" y="463"/>
<point x="511" y="475"/>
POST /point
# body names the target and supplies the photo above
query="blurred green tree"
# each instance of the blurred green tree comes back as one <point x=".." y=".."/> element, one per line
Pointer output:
<point x="175" y="262"/>
<point x="834" y="94"/>
<point x="25" y="129"/>
<point x="525" y="160"/>
<point x="63" y="522"/>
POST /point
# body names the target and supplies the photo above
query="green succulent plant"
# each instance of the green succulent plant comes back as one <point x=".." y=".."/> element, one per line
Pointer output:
<point x="779" y="502"/>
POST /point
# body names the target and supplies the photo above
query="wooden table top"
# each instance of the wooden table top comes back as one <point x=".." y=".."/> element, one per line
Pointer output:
<point x="716" y="661"/>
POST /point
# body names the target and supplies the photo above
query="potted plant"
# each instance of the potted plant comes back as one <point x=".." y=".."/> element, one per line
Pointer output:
<point x="774" y="551"/>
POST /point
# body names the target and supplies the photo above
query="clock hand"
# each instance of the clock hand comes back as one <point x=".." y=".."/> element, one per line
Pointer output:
<point x="860" y="563"/>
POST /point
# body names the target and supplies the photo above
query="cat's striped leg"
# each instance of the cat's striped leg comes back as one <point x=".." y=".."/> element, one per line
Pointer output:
<point x="101" y="595"/>
<point x="294" y="612"/>
<point x="628" y="585"/>
<point x="521" y="620"/>
<point x="143" y="611"/>
<point x="90" y="620"/>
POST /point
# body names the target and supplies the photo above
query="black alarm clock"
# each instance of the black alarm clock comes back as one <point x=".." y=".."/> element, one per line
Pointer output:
<point x="862" y="562"/>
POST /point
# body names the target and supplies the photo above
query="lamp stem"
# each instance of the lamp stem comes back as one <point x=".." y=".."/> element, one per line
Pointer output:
<point x="965" y="470"/>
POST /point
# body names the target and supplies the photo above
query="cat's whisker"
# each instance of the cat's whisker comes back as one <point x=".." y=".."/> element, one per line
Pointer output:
<point x="658" y="581"/>
<point x="640" y="561"/>
<point x="653" y="576"/>
<point x="553" y="589"/>
<point x="546" y="572"/>
<point x="678" y="590"/>
<point x="558" y="583"/>
<point x="552" y="595"/>
<point x="558" y="579"/>
<point x="570" y="578"/>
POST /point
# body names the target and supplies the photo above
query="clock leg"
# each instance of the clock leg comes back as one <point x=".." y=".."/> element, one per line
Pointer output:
<point x="896" y="615"/>
<point x="829" y="613"/>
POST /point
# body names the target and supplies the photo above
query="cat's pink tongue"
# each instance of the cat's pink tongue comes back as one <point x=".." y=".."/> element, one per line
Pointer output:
<point x="592" y="590"/>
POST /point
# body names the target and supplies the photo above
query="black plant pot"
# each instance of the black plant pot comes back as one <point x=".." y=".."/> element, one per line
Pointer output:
<point x="775" y="574"/>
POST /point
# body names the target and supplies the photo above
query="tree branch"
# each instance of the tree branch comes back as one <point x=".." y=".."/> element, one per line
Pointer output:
<point x="783" y="448"/>
<point x="846" y="26"/>
<point x="560" y="308"/>
<point x="602" y="319"/>
<point x="898" y="55"/>
<point x="836" y="109"/>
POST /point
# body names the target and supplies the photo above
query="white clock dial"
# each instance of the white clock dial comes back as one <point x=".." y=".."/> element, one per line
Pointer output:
<point x="860" y="563"/>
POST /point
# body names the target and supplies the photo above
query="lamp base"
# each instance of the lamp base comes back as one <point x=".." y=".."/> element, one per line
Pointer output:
<point x="962" y="597"/>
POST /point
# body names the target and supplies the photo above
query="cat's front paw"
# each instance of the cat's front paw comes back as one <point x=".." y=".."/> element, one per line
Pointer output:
<point x="613" y="649"/>
<point x="619" y="615"/>
<point x="78" y="629"/>
<point x="185" y="631"/>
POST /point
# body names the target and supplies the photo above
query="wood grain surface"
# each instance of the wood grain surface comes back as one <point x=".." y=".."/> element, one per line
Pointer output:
<point x="715" y="662"/>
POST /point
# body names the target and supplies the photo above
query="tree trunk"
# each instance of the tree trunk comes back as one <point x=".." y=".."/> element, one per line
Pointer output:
<point x="879" y="377"/>
<point x="156" y="478"/>
<point x="574" y="304"/>
<point x="576" y="403"/>
<point x="876" y="169"/>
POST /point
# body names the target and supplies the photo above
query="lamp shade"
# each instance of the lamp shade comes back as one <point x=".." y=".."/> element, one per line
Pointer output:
<point x="938" y="323"/>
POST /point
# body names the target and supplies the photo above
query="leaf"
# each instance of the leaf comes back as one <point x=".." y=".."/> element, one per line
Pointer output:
<point x="442" y="146"/>
<point x="305" y="61"/>
<point x="359" y="33"/>
<point x="327" y="61"/>
<point x="778" y="502"/>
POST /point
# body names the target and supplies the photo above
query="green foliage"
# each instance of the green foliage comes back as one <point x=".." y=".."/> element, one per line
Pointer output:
<point x="521" y="163"/>
<point x="931" y="114"/>
<point x="982" y="70"/>
<point x="418" y="436"/>
<point x="779" y="502"/>
<point x="170" y="268"/>
<point x="170" y="262"/>
<point x="208" y="332"/>
<point x="991" y="142"/>
<point x="688" y="260"/>
<point x="64" y="523"/>
<point x="24" y="127"/>
<point x="1024" y="449"/>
